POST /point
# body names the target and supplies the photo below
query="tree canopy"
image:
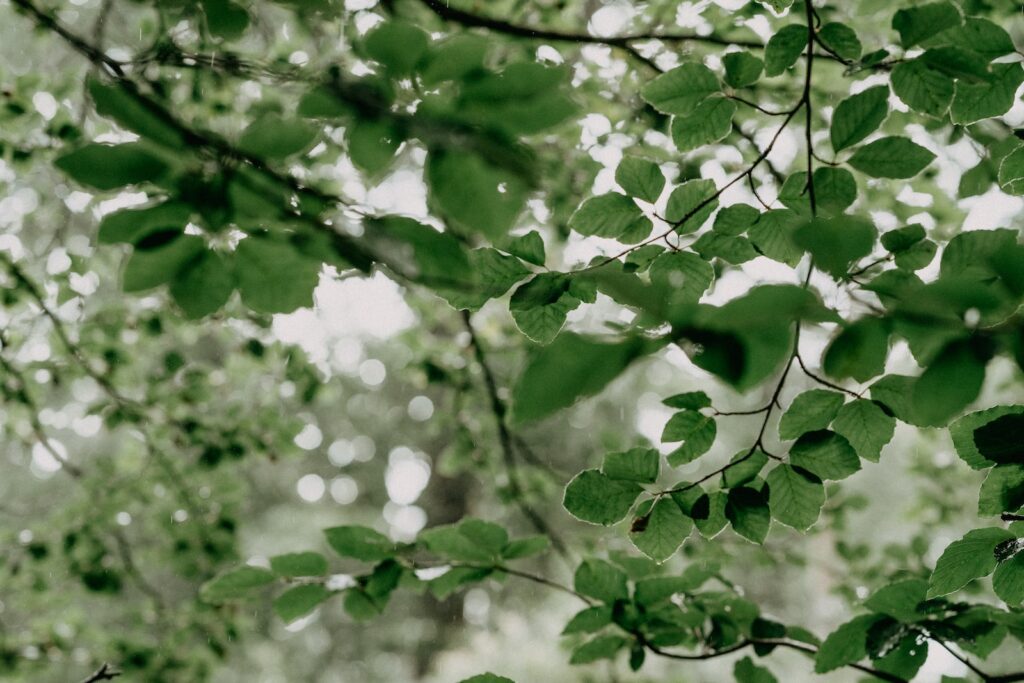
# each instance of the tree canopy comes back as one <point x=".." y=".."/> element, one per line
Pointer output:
<point x="438" y="340"/>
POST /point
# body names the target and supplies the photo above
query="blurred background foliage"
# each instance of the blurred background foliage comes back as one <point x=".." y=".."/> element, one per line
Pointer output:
<point x="191" y="447"/>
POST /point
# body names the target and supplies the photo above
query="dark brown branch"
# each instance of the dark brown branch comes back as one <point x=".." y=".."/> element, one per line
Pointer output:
<point x="104" y="673"/>
<point x="506" y="440"/>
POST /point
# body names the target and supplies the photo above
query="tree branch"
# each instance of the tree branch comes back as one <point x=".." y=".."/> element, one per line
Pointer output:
<point x="104" y="673"/>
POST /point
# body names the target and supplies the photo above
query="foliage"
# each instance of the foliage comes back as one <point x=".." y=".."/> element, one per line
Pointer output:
<point x="839" y="301"/>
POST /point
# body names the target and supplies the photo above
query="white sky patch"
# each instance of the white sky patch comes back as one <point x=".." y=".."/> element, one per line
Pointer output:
<point x="611" y="20"/>
<point x="311" y="487"/>
<point x="407" y="475"/>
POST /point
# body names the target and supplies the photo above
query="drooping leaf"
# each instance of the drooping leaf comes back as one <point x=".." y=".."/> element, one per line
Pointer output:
<point x="742" y="69"/>
<point x="611" y="215"/>
<point x="784" y="48"/>
<point x="108" y="167"/>
<point x="274" y="276"/>
<point x="1002" y="490"/>
<point x="640" y="178"/>
<point x="972" y="557"/>
<point x="891" y="157"/>
<point x="950" y="383"/>
<point x="236" y="583"/>
<point x="660" y="532"/>
<point x="637" y="464"/>
<point x="866" y="426"/>
<point x="795" y="496"/>
<point x="360" y="542"/>
<point x="859" y="350"/>
<point x="594" y="497"/>
<point x="710" y="122"/>
<point x="917" y="24"/>
<point x="1008" y="580"/>
<point x="825" y="454"/>
<point x="697" y="432"/>
<point x="600" y="580"/>
<point x="299" y="564"/>
<point x="680" y="90"/>
<point x="846" y="645"/>
<point x="570" y="368"/>
<point x="748" y="513"/>
<point x="298" y="601"/>
<point x="275" y="137"/>
<point x="858" y="116"/>
<point x="397" y="45"/>
<point x="841" y="39"/>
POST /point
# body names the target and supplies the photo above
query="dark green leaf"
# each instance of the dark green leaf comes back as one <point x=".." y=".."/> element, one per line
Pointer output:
<point x="810" y="411"/>
<point x="784" y="48"/>
<point x="601" y="647"/>
<point x="637" y="464"/>
<point x="976" y="101"/>
<point x="825" y="454"/>
<point x="474" y="193"/>
<point x="866" y="426"/>
<point x="599" y="580"/>
<point x="691" y="204"/>
<point x="611" y="215"/>
<point x="640" y="178"/>
<point x="236" y="583"/>
<point x="203" y="285"/>
<point x="298" y="601"/>
<point x="594" y="497"/>
<point x="972" y="557"/>
<point x="858" y="351"/>
<point x="917" y="24"/>
<point x="1002" y="490"/>
<point x="108" y="167"/>
<point x="747" y="510"/>
<point x="660" y="532"/>
<point x="742" y="69"/>
<point x="836" y="242"/>
<point x="360" y="542"/>
<point x="274" y="137"/>
<point x="950" y="383"/>
<point x="922" y="87"/>
<point x="680" y="90"/>
<point x="1008" y="581"/>
<point x="745" y="671"/>
<point x="845" y="645"/>
<point x="710" y="122"/>
<point x="891" y="157"/>
<point x="570" y="368"/>
<point x="397" y="45"/>
<point x="589" y="620"/>
<point x="841" y="39"/>
<point x="273" y="276"/>
<point x="858" y="116"/>
<point x="299" y="564"/>
<point x="795" y="496"/>
<point x="1002" y="439"/>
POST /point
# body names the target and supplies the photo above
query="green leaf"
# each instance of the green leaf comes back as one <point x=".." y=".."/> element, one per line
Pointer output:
<point x="841" y="39"/>
<point x="858" y="116"/>
<point x="917" y="24"/>
<point x="132" y="225"/>
<point x="360" y="542"/>
<point x="273" y="276"/>
<point x="471" y="540"/>
<point x="594" y="497"/>
<point x="1011" y="172"/>
<point x="742" y="69"/>
<point x="612" y="215"/>
<point x="745" y="671"/>
<point x="108" y="167"/>
<point x="735" y="250"/>
<point x="685" y="274"/>
<point x="858" y="351"/>
<point x="846" y="645"/>
<point x="599" y="580"/>
<point x="691" y="205"/>
<point x="437" y="257"/>
<point x="1002" y="490"/>
<point x="747" y="510"/>
<point x="891" y="157"/>
<point x="454" y="58"/>
<point x="710" y="122"/>
<point x="495" y="274"/>
<point x="660" y="532"/>
<point x="637" y="464"/>
<point x="784" y="48"/>
<point x="866" y="426"/>
<point x="116" y="102"/>
<point x="735" y="219"/>
<point x="299" y="601"/>
<point x="743" y="468"/>
<point x="972" y="557"/>
<point x="836" y="242"/>
<point x="487" y="678"/>
<point x="299" y="564"/>
<point x="225" y="19"/>
<point x="529" y="247"/>
<point x="899" y="600"/>
<point x="680" y="90"/>
<point x="601" y="647"/>
<point x="203" y="285"/>
<point x="795" y="496"/>
<point x="568" y="369"/>
<point x="1000" y="440"/>
<point x="589" y="620"/>
<point x="1008" y="581"/>
<point x="810" y="411"/>
<point x="950" y="383"/>
<point x="372" y="143"/>
<point x="980" y="36"/>
<point x="922" y="87"/>
<point x="962" y="433"/>
<point x="475" y="194"/>
<point x="707" y="511"/>
<point x="454" y="579"/>
<point x="640" y="178"/>
<point x="976" y="101"/>
<point x="274" y="137"/>
<point x="236" y="583"/>
<point x="525" y="547"/>
<point x="397" y="45"/>
<point x="690" y="400"/>
<point x="697" y="432"/>
<point x="540" y="306"/>
<point x="773" y="236"/>
<point x="825" y="454"/>
<point x="158" y="258"/>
